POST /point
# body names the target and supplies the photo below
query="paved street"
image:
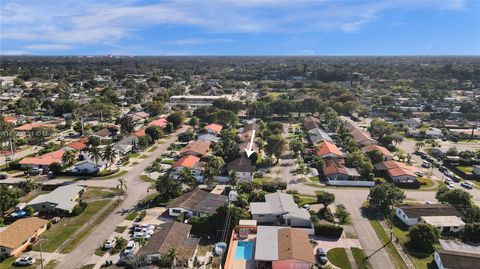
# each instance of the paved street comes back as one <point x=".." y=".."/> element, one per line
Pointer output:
<point x="136" y="190"/>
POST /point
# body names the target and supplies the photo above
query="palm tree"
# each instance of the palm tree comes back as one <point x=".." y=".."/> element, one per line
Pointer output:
<point x="69" y="157"/>
<point x="419" y="145"/>
<point x="95" y="154"/>
<point x="109" y="155"/>
<point x="233" y="178"/>
<point x="188" y="178"/>
<point x="122" y="184"/>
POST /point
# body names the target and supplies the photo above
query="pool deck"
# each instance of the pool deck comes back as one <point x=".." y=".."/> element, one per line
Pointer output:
<point x="231" y="262"/>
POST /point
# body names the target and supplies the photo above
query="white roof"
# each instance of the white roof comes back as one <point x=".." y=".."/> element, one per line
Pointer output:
<point x="278" y="203"/>
<point x="63" y="197"/>
<point x="266" y="248"/>
<point x="443" y="221"/>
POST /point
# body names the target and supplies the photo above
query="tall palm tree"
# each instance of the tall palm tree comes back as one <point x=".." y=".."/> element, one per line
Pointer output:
<point x="95" y="154"/>
<point x="122" y="184"/>
<point x="69" y="157"/>
<point x="188" y="178"/>
<point x="109" y="155"/>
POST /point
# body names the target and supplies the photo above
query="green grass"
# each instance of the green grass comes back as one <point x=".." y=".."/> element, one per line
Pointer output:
<point x="131" y="216"/>
<point x="465" y="169"/>
<point x="63" y="230"/>
<point x="392" y="251"/>
<point x="146" y="179"/>
<point x="306" y="200"/>
<point x="134" y="155"/>
<point x="167" y="161"/>
<point x="426" y="182"/>
<point x="120" y="229"/>
<point x="205" y="246"/>
<point x="360" y="257"/>
<point x="100" y="251"/>
<point x="88" y="266"/>
<point x="143" y="157"/>
<point x="51" y="264"/>
<point x="96" y="193"/>
<point x="339" y="258"/>
<point x="11" y="172"/>
<point x="119" y="174"/>
<point x="152" y="149"/>
<point x="84" y="233"/>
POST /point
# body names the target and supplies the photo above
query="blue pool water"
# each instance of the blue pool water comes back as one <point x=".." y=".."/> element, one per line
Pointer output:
<point x="244" y="250"/>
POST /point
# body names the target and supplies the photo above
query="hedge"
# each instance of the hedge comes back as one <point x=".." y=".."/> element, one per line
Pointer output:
<point x="328" y="230"/>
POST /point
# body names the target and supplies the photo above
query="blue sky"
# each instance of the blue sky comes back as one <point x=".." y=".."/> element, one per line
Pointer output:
<point x="241" y="27"/>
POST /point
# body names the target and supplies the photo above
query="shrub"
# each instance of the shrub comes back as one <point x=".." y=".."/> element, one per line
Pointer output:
<point x="49" y="225"/>
<point x="29" y="248"/>
<point x="142" y="215"/>
<point x="78" y="209"/>
<point x="342" y="213"/>
<point x="328" y="230"/>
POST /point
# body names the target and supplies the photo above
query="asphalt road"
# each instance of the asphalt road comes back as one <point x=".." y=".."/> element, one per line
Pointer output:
<point x="136" y="190"/>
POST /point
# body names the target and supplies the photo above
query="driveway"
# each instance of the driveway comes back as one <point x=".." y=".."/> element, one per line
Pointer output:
<point x="136" y="190"/>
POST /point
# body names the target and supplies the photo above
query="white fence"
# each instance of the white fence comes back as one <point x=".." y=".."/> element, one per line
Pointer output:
<point x="351" y="183"/>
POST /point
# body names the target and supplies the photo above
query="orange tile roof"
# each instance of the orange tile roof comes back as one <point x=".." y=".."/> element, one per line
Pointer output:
<point x="333" y="167"/>
<point x="162" y="122"/>
<point x="45" y="159"/>
<point x="188" y="161"/>
<point x="20" y="231"/>
<point x="77" y="145"/>
<point x="383" y="150"/>
<point x="326" y="148"/>
<point x="199" y="146"/>
<point x="395" y="172"/>
<point x="214" y="127"/>
<point x="139" y="133"/>
<point x="10" y="119"/>
<point x="30" y="126"/>
<point x="390" y="164"/>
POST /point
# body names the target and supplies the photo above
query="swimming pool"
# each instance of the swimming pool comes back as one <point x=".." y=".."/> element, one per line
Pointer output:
<point x="244" y="250"/>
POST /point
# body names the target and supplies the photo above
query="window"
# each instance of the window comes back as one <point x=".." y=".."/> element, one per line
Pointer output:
<point x="177" y="211"/>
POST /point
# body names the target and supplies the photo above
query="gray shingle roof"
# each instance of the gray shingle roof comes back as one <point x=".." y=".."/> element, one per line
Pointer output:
<point x="63" y="197"/>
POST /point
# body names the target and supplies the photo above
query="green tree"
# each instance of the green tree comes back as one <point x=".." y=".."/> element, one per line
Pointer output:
<point x="471" y="233"/>
<point x="213" y="167"/>
<point x="375" y="156"/>
<point x="471" y="214"/>
<point x="422" y="237"/>
<point x="296" y="146"/>
<point x="187" y="177"/>
<point x="154" y="107"/>
<point x="69" y="157"/>
<point x="194" y="121"/>
<point x="384" y="196"/>
<point x="275" y="146"/>
<point x="167" y="187"/>
<point x="325" y="198"/>
<point x="95" y="154"/>
<point x="127" y="125"/>
<point x="120" y="244"/>
<point x="169" y="128"/>
<point x="9" y="198"/>
<point x="122" y="184"/>
<point x="155" y="132"/>
<point x="109" y="155"/>
<point x="177" y="119"/>
<point x="458" y="198"/>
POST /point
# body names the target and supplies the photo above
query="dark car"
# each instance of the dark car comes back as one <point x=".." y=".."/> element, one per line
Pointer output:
<point x="3" y="176"/>
<point x="321" y="256"/>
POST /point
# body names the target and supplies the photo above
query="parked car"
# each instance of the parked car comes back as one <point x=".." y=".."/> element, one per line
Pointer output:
<point x="144" y="235"/>
<point x="130" y="248"/>
<point x="306" y="206"/>
<point x="455" y="178"/>
<point x="11" y="157"/>
<point x="425" y="164"/>
<point x="442" y="169"/>
<point x="466" y="185"/>
<point x="26" y="260"/>
<point x="110" y="243"/>
<point x="321" y="256"/>
<point x="3" y="176"/>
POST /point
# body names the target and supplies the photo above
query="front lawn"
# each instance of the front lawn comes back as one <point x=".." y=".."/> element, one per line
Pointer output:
<point x="392" y="251"/>
<point x="63" y="230"/>
<point x="339" y="258"/>
<point x="425" y="182"/>
<point x="120" y="229"/>
<point x="465" y="169"/>
<point x="360" y="258"/>
<point x="132" y="215"/>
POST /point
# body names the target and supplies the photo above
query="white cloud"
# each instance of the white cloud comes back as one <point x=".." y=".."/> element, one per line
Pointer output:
<point x="199" y="41"/>
<point x="69" y="23"/>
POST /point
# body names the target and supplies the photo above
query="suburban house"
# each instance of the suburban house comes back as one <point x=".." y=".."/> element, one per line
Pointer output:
<point x="171" y="235"/>
<point x="387" y="155"/>
<point x="363" y="138"/>
<point x="317" y="135"/>
<point x="196" y="203"/>
<point x="397" y="171"/>
<point x="335" y="170"/>
<point x="208" y="137"/>
<point x="243" y="168"/>
<point x="280" y="209"/>
<point x="44" y="161"/>
<point x="311" y="123"/>
<point x="106" y="133"/>
<point x="26" y="129"/>
<point x="140" y="132"/>
<point x="451" y="259"/>
<point x="77" y="145"/>
<point x="18" y="235"/>
<point x="326" y="149"/>
<point x="213" y="128"/>
<point x="445" y="218"/>
<point x="126" y="145"/>
<point x="60" y="201"/>
<point x="190" y="162"/>
<point x="429" y="133"/>
<point x="140" y="116"/>
<point x="89" y="167"/>
<point x="197" y="148"/>
<point x="162" y="122"/>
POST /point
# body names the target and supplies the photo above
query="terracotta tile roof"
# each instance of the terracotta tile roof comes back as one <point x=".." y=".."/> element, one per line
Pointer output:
<point x="214" y="127"/>
<point x="142" y="115"/>
<point x="390" y="164"/>
<point x="188" y="161"/>
<point x="383" y="150"/>
<point x="325" y="148"/>
<point x="45" y="159"/>
<point x="77" y="145"/>
<point x="10" y="119"/>
<point x="334" y="167"/>
<point x="30" y="126"/>
<point x="361" y="136"/>
<point x="395" y="172"/>
<point x="311" y="123"/>
<point x="162" y="122"/>
<point x="139" y="133"/>
<point x="20" y="231"/>
<point x="199" y="146"/>
<point x="294" y="244"/>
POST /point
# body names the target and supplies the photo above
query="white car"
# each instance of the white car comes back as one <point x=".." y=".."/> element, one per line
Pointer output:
<point x="143" y="235"/>
<point x="11" y="157"/>
<point x="450" y="185"/>
<point x="467" y="185"/>
<point x="110" y="243"/>
<point x="306" y="207"/>
<point x="27" y="260"/>
<point x="130" y="247"/>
